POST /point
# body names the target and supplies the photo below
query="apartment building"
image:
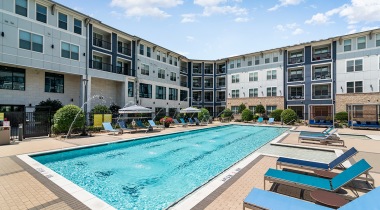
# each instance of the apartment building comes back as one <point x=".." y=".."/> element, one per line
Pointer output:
<point x="310" y="79"/>
<point x="255" y="79"/>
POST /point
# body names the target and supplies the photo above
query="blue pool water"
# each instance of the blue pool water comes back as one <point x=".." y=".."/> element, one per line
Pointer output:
<point x="154" y="172"/>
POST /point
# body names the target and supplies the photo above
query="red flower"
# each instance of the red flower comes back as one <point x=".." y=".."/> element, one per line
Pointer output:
<point x="167" y="120"/>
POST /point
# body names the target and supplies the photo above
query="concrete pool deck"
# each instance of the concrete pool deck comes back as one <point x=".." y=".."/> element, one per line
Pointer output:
<point x="22" y="187"/>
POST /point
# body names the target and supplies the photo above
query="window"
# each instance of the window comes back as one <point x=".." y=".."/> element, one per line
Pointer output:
<point x="347" y="45"/>
<point x="173" y="94"/>
<point x="238" y="63"/>
<point x="29" y="41"/>
<point x="253" y="92"/>
<point x="321" y="91"/>
<point x="232" y="64"/>
<point x="295" y="57"/>
<point x="234" y="109"/>
<point x="252" y="108"/>
<point x="183" y="95"/>
<point x="295" y="75"/>
<point x="145" y="90"/>
<point x="148" y="51"/>
<point x="235" y="93"/>
<point x="77" y="26"/>
<point x="54" y="83"/>
<point x="358" y="111"/>
<point x="22" y="7"/>
<point x="271" y="91"/>
<point x="170" y="59"/>
<point x="257" y="60"/>
<point x="275" y="58"/>
<point x="12" y="78"/>
<point x="41" y="13"/>
<point x="69" y="51"/>
<point x="163" y="58"/>
<point x="377" y="40"/>
<point x="161" y="73"/>
<point x="249" y="63"/>
<point x="160" y="92"/>
<point x="270" y="109"/>
<point x="173" y="76"/>
<point x="354" y="65"/>
<point x="175" y="62"/>
<point x="321" y="72"/>
<point x="158" y="55"/>
<point x="145" y="69"/>
<point x="97" y="62"/>
<point x="361" y="42"/>
<point x="295" y="93"/>
<point x="235" y="78"/>
<point x="267" y="60"/>
<point x="271" y="74"/>
<point x="62" y="21"/>
<point x="131" y="88"/>
<point x="254" y="76"/>
<point x="355" y="87"/>
<point x="141" y="49"/>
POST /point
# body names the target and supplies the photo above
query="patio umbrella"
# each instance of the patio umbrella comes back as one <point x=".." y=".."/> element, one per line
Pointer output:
<point x="190" y="110"/>
<point x="135" y="109"/>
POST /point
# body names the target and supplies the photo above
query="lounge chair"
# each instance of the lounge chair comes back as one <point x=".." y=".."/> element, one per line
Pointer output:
<point x="324" y="132"/>
<point x="191" y="122"/>
<point x="140" y="125"/>
<point x="271" y="121"/>
<point x="108" y="127"/>
<point x="183" y="122"/>
<point x="199" y="122"/>
<point x="125" y="128"/>
<point x="175" y="121"/>
<point x="312" y="182"/>
<point x="262" y="199"/>
<point x="260" y="120"/>
<point x="153" y="124"/>
<point x="332" y="137"/>
<point x="282" y="161"/>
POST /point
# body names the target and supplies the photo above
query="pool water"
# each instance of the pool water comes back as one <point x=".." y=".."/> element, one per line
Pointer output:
<point x="152" y="173"/>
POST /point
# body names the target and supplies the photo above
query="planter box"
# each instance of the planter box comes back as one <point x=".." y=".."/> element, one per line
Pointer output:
<point x="5" y="135"/>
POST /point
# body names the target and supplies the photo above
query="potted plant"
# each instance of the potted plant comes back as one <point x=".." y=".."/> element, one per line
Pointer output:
<point x="166" y="121"/>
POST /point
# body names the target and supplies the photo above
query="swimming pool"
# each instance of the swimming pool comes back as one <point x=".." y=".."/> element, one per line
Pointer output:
<point x="152" y="173"/>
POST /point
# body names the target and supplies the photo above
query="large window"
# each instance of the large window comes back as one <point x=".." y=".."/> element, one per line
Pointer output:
<point x="271" y="74"/>
<point x="253" y="92"/>
<point x="235" y="93"/>
<point x="355" y="87"/>
<point x="321" y="91"/>
<point x="295" y="93"/>
<point x="249" y="63"/>
<point x="295" y="75"/>
<point x="41" y="13"/>
<point x="29" y="41"/>
<point x="54" y="83"/>
<point x="295" y="57"/>
<point x="145" y="90"/>
<point x="270" y="109"/>
<point x="131" y="87"/>
<point x="148" y="52"/>
<point x="141" y="49"/>
<point x="272" y="91"/>
<point x="232" y="64"/>
<point x="235" y="78"/>
<point x="347" y="45"/>
<point x="12" y="78"/>
<point x="183" y="95"/>
<point x="253" y="76"/>
<point x="161" y="73"/>
<point x="173" y="76"/>
<point x="173" y="94"/>
<point x="377" y="40"/>
<point x="22" y="7"/>
<point x="145" y="69"/>
<point x="234" y="109"/>
<point x="321" y="72"/>
<point x="158" y="55"/>
<point x="69" y="51"/>
<point x="238" y="63"/>
<point x="170" y="59"/>
<point x="160" y="92"/>
<point x="361" y="42"/>
<point x="62" y="21"/>
<point x="354" y="65"/>
<point x="257" y="60"/>
<point x="77" y="26"/>
<point x="267" y="60"/>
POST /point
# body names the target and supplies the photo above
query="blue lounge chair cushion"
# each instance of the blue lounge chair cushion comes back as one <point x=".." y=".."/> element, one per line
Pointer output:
<point x="345" y="156"/>
<point x="311" y="122"/>
<point x="309" y="164"/>
<point x="182" y="120"/>
<point x="349" y="174"/>
<point x="274" y="201"/>
<point x="370" y="200"/>
<point x="317" y="121"/>
<point x="299" y="179"/>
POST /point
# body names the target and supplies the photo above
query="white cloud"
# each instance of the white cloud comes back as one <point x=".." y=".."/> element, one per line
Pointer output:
<point x="368" y="28"/>
<point x="241" y="20"/>
<point x="297" y="31"/>
<point x="318" y="18"/>
<point x="235" y="10"/>
<point x="207" y="3"/>
<point x="142" y="8"/>
<point x="189" y="38"/>
<point x="285" y="3"/>
<point x="286" y="26"/>
<point x="188" y="18"/>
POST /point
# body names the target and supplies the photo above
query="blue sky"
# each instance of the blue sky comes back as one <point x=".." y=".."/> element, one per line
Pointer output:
<point x="214" y="29"/>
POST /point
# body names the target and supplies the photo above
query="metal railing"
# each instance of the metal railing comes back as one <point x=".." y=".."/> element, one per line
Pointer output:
<point x="183" y="84"/>
<point x="322" y="56"/>
<point x="183" y="70"/>
<point x="101" y="66"/>
<point x="221" y="71"/>
<point x="124" y="50"/>
<point x="101" y="43"/>
<point x="295" y="60"/>
<point x="220" y="84"/>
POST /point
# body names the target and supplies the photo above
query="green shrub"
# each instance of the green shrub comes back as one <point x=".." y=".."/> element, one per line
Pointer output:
<point x="259" y="109"/>
<point x="65" y="116"/>
<point x="255" y="117"/>
<point x="341" y="116"/>
<point x="247" y="115"/>
<point x="289" y="116"/>
<point x="227" y="113"/>
<point x="203" y="115"/>
<point x="95" y="129"/>
<point x="114" y="108"/>
<point x="241" y="108"/>
<point x="100" y="109"/>
<point x="53" y="104"/>
<point x="276" y="114"/>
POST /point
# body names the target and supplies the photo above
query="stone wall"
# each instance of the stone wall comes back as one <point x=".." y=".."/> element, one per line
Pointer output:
<point x="265" y="101"/>
<point x="369" y="111"/>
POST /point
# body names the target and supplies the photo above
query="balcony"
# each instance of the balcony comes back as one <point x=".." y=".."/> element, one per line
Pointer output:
<point x="197" y="70"/>
<point x="183" y="69"/>
<point x="221" y="70"/>
<point x="125" y="71"/>
<point x="295" y="60"/>
<point x="101" y="43"/>
<point x="295" y="75"/>
<point x="322" y="95"/>
<point x="221" y="84"/>
<point x="124" y="50"/>
<point x="296" y="93"/>
<point x="321" y="91"/>
<point x="296" y="97"/>
<point x="321" y="53"/>
<point x="208" y="71"/>
<point x="102" y="66"/>
<point x="197" y="84"/>
<point x="183" y="84"/>
<point x="209" y="97"/>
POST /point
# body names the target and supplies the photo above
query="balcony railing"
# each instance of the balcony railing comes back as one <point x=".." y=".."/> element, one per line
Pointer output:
<point x="296" y="97"/>
<point x="322" y="96"/>
<point x="124" y="50"/>
<point x="295" y="60"/>
<point x="326" y="75"/>
<point x="102" y="43"/>
<point x="183" y="84"/>
<point x="145" y="95"/>
<point x="125" y="71"/>
<point x="102" y="66"/>
<point x="220" y="84"/>
<point x="197" y="70"/>
<point x="208" y="85"/>
<point x="295" y="78"/>
<point x="208" y="71"/>
<point x="208" y="98"/>
<point x="321" y="56"/>
<point x="197" y="84"/>
<point x="184" y="70"/>
<point x="221" y="70"/>
<point x="219" y="99"/>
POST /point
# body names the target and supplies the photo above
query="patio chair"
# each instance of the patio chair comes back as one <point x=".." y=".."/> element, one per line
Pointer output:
<point x="282" y="161"/>
<point x="262" y="199"/>
<point x="332" y="137"/>
<point x="123" y="127"/>
<point x="191" y="122"/>
<point x="153" y="124"/>
<point x="183" y="122"/>
<point x="199" y="122"/>
<point x="140" y="125"/>
<point x="260" y="120"/>
<point x="108" y="127"/>
<point x="312" y="182"/>
<point x="271" y="121"/>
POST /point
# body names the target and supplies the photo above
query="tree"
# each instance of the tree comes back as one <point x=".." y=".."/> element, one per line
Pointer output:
<point x="114" y="108"/>
<point x="241" y="108"/>
<point x="65" y="116"/>
<point x="276" y="114"/>
<point x="53" y="104"/>
<point x="247" y="115"/>
<point x="203" y="115"/>
<point x="259" y="109"/>
<point x="227" y="113"/>
<point x="341" y="116"/>
<point x="289" y="116"/>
